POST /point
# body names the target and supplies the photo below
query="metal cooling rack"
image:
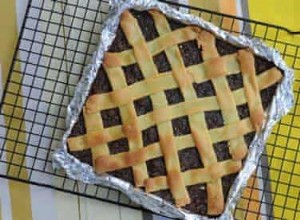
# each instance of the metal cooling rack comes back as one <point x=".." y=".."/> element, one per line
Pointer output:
<point x="57" y="40"/>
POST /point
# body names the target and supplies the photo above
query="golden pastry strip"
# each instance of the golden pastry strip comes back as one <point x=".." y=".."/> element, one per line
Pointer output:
<point x="117" y="79"/>
<point x="144" y="59"/>
<point x="246" y="60"/>
<point x="196" y="176"/>
<point x="165" y="81"/>
<point x="181" y="142"/>
<point x="197" y="121"/>
<point x="265" y="80"/>
<point x="93" y="122"/>
<point x="96" y="103"/>
<point x="125" y="58"/>
<point x="238" y="148"/>
<point x="214" y="68"/>
<point x="220" y="134"/>
<point x="151" y="85"/>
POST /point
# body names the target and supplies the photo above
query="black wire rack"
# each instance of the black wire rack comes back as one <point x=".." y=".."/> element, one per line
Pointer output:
<point x="57" y="40"/>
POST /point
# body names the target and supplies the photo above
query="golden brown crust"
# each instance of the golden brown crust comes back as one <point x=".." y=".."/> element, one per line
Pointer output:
<point x="197" y="121"/>
<point x="246" y="60"/>
<point x="156" y="46"/>
<point x="110" y="60"/>
<point x="96" y="138"/>
<point x="130" y="127"/>
<point x="131" y="130"/>
<point x="96" y="103"/>
<point x="215" y="198"/>
<point x="196" y="176"/>
<point x="218" y="134"/>
<point x="108" y="163"/>
<point x="214" y="68"/>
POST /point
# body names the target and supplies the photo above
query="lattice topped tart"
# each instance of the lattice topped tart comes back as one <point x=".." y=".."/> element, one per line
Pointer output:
<point x="173" y="110"/>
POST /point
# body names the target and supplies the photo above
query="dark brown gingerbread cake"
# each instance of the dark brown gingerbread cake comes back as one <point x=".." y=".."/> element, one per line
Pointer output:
<point x="189" y="157"/>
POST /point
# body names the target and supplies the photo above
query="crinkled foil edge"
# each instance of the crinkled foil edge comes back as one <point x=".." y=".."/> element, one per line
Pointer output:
<point x="281" y="104"/>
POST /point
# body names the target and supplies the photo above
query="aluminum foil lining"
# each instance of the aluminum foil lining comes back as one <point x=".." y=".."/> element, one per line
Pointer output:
<point x="281" y="103"/>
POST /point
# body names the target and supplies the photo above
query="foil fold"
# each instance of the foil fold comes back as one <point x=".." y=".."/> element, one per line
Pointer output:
<point x="282" y="102"/>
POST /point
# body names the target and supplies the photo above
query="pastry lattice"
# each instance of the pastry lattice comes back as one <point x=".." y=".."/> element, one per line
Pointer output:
<point x="214" y="68"/>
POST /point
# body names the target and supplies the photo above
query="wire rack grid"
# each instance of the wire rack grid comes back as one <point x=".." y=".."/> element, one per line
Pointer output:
<point x="57" y="40"/>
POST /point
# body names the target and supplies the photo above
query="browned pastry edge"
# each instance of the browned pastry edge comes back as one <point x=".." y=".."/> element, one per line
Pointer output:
<point x="131" y="130"/>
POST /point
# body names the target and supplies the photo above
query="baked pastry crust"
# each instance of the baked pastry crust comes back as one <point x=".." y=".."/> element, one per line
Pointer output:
<point x="122" y="96"/>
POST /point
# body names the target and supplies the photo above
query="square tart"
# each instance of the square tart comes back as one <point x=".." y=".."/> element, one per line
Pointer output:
<point x="173" y="110"/>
